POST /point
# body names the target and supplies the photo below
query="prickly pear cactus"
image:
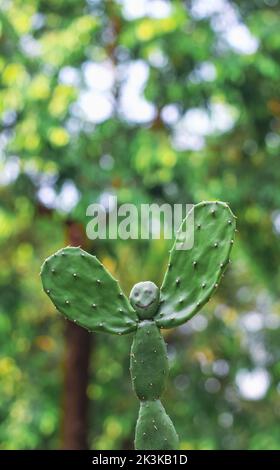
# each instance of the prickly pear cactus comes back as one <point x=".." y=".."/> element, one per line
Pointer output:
<point x="85" y="292"/>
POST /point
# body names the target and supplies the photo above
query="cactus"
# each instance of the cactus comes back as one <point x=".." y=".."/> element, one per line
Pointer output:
<point x="85" y="292"/>
<point x="191" y="278"/>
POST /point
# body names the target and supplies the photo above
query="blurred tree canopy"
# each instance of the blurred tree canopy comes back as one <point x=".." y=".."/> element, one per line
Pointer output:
<point x="151" y="101"/>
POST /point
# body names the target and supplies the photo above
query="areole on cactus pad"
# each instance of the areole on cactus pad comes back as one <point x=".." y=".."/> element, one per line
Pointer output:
<point x="86" y="293"/>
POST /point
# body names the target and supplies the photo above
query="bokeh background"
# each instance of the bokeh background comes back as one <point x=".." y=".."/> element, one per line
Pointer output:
<point x="152" y="101"/>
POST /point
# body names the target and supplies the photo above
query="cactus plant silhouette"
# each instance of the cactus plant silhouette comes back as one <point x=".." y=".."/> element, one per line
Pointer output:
<point x="86" y="293"/>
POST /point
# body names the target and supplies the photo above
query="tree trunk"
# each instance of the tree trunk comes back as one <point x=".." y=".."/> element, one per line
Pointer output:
<point x="75" y="386"/>
<point x="78" y="349"/>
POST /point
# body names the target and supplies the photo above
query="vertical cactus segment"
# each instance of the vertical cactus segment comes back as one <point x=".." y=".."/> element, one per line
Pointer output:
<point x="86" y="293"/>
<point x="193" y="275"/>
<point x="149" y="370"/>
<point x="154" y="428"/>
<point x="148" y="361"/>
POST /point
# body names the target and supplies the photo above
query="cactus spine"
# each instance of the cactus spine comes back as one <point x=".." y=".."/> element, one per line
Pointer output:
<point x="85" y="292"/>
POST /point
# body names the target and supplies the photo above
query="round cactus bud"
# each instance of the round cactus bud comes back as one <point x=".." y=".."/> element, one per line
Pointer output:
<point x="144" y="298"/>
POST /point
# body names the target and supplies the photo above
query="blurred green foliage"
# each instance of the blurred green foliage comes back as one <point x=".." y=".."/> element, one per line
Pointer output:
<point x="203" y="124"/>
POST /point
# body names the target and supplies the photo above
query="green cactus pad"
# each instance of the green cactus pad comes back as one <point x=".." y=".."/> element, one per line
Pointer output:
<point x="148" y="361"/>
<point x="154" y="428"/>
<point x="193" y="275"/>
<point x="86" y="293"/>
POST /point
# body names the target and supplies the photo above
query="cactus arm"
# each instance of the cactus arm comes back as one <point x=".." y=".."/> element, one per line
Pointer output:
<point x="149" y="370"/>
<point x="193" y="275"/>
<point x="86" y="293"/>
